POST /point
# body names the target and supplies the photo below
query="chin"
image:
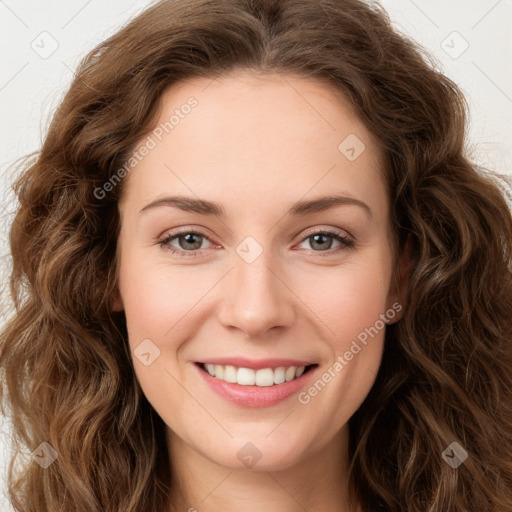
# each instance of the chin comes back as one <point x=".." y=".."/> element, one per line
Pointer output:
<point x="259" y="453"/>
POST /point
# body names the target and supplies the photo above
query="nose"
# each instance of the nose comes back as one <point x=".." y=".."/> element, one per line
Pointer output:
<point x="256" y="299"/>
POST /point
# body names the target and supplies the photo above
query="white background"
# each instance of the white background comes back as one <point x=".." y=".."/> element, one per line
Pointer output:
<point x="31" y="86"/>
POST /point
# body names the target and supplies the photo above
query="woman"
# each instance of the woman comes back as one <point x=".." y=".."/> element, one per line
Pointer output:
<point x="254" y="268"/>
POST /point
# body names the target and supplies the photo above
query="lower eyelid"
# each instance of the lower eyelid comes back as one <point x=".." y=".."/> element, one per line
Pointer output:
<point x="345" y="243"/>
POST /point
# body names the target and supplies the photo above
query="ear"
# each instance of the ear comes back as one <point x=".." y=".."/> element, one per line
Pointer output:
<point x="117" y="302"/>
<point x="399" y="288"/>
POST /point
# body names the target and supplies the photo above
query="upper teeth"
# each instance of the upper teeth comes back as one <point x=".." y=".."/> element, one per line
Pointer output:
<point x="250" y="377"/>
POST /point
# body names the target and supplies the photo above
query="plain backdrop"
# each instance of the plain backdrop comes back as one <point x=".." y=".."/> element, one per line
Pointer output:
<point x="42" y="42"/>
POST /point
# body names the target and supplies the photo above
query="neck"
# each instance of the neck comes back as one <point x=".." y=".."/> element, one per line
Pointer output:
<point x="316" y="482"/>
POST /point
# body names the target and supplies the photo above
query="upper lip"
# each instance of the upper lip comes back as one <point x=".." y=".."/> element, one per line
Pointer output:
<point x="255" y="364"/>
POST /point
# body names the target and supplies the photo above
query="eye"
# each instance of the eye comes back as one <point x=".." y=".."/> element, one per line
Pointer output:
<point x="322" y="240"/>
<point x="190" y="243"/>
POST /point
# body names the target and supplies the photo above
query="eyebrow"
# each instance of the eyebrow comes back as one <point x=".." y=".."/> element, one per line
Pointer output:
<point x="298" y="209"/>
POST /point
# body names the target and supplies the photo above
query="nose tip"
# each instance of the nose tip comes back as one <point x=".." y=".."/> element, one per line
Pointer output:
<point x="255" y="300"/>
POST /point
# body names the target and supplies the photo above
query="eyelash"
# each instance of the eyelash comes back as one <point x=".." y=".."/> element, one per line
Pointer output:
<point x="346" y="243"/>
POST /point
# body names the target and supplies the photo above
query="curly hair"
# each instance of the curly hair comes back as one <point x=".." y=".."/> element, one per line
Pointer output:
<point x="445" y="374"/>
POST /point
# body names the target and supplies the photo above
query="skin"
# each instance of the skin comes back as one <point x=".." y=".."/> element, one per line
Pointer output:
<point x="256" y="144"/>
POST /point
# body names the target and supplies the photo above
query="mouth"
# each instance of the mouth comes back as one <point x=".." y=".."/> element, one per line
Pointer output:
<point x="261" y="377"/>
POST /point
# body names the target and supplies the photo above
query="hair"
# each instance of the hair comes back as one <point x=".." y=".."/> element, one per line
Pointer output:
<point x="445" y="374"/>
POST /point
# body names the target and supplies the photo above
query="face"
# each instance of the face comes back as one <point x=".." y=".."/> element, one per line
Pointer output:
<point x="248" y="275"/>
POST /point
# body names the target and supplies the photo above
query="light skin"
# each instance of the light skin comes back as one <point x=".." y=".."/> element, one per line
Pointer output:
<point x="256" y="145"/>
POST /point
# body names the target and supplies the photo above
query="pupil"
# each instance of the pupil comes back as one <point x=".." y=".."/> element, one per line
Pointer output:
<point x="189" y="239"/>
<point x="315" y="238"/>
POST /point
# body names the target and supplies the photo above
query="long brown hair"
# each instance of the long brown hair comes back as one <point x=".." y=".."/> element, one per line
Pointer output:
<point x="446" y="372"/>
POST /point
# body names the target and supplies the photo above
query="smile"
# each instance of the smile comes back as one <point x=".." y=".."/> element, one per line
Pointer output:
<point x="263" y="377"/>
<point x="255" y="384"/>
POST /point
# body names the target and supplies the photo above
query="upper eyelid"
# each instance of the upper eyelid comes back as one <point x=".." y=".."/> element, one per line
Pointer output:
<point x="310" y="232"/>
<point x="172" y="235"/>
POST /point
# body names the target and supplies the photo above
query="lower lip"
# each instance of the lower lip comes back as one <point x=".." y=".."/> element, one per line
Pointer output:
<point x="255" y="396"/>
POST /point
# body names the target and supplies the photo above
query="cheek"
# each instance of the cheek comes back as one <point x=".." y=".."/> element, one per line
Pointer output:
<point x="158" y="303"/>
<point x="157" y="299"/>
<point x="349" y="299"/>
<point x="351" y="303"/>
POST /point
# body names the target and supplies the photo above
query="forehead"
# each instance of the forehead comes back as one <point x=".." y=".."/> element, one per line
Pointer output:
<point x="251" y="137"/>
